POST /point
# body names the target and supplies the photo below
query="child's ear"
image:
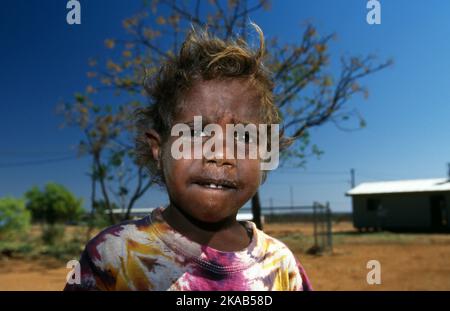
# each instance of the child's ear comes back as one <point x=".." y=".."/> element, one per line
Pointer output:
<point x="154" y="141"/>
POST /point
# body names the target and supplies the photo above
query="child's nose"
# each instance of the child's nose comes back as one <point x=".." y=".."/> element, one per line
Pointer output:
<point x="221" y="161"/>
<point x="221" y="156"/>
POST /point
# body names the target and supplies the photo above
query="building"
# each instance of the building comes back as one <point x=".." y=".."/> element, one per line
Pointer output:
<point x="404" y="205"/>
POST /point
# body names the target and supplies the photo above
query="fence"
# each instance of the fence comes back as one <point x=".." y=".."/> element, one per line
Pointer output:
<point x="314" y="224"/>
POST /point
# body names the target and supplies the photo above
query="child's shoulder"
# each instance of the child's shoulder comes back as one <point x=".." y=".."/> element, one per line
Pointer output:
<point x="112" y="240"/>
<point x="276" y="250"/>
<point x="272" y="244"/>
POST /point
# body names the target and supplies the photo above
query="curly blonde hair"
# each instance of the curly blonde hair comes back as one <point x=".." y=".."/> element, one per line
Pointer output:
<point x="202" y="57"/>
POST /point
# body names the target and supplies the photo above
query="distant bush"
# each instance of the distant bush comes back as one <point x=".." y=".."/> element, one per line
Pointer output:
<point x="53" y="204"/>
<point x="68" y="250"/>
<point x="98" y="218"/>
<point x="14" y="217"/>
<point x="53" y="234"/>
<point x="10" y="248"/>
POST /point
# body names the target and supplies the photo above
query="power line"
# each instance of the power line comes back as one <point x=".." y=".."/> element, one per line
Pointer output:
<point x="36" y="162"/>
<point x="34" y="153"/>
<point x="385" y="178"/>
<point x="291" y="171"/>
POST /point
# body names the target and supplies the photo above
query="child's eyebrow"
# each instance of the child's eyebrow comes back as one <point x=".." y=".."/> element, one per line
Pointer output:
<point x="206" y="121"/>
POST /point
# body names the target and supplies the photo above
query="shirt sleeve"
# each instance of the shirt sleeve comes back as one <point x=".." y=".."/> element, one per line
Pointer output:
<point x="92" y="276"/>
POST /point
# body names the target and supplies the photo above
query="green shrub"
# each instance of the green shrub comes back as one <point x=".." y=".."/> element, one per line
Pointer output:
<point x="54" y="204"/>
<point x="14" y="217"/>
<point x="53" y="234"/>
<point x="65" y="251"/>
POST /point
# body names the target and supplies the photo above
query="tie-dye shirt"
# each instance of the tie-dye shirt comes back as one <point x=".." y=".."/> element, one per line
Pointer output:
<point x="148" y="254"/>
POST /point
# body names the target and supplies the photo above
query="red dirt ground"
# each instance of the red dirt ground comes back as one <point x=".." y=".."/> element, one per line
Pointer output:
<point x="408" y="262"/>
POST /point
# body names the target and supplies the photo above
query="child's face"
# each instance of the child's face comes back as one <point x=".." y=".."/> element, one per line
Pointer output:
<point x="220" y="102"/>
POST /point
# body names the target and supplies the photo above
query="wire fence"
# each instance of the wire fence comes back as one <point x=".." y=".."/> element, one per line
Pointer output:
<point x="309" y="227"/>
<point x="313" y="224"/>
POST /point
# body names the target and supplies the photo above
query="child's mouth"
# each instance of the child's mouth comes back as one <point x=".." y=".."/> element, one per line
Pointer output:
<point x="217" y="184"/>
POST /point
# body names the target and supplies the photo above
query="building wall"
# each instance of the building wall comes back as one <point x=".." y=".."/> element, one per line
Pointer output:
<point x="398" y="211"/>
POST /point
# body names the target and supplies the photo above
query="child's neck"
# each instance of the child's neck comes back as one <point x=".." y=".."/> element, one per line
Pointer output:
<point x="227" y="235"/>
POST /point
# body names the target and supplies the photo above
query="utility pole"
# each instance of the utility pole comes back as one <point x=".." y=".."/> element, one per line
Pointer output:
<point x="292" y="197"/>
<point x="352" y="177"/>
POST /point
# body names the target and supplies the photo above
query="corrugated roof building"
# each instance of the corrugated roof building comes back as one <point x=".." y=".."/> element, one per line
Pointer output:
<point x="403" y="205"/>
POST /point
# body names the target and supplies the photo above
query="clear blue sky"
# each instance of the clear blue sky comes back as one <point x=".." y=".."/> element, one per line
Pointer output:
<point x="44" y="60"/>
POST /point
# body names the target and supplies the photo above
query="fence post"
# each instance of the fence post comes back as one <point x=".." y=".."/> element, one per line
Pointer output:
<point x="323" y="226"/>
<point x="329" y="227"/>
<point x="315" y="224"/>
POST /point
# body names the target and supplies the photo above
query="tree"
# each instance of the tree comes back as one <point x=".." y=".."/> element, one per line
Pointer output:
<point x="53" y="204"/>
<point x="14" y="217"/>
<point x="113" y="166"/>
<point x="306" y="94"/>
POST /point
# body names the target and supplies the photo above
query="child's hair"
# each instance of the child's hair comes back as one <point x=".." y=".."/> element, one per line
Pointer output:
<point x="201" y="57"/>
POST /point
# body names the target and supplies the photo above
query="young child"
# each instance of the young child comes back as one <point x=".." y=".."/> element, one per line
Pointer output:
<point x="196" y="243"/>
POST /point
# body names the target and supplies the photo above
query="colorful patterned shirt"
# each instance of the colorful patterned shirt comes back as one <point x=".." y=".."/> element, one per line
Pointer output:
<point x="148" y="254"/>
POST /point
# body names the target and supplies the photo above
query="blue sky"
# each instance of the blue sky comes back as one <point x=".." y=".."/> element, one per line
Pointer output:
<point x="44" y="60"/>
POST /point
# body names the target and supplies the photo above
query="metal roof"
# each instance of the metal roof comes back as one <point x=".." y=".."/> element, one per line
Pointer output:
<point x="401" y="186"/>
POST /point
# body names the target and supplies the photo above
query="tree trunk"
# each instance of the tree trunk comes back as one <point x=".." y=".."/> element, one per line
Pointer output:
<point x="256" y="211"/>
<point x="93" y="207"/>
<point x="101" y="179"/>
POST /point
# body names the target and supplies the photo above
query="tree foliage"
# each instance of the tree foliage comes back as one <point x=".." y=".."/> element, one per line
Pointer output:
<point x="53" y="204"/>
<point x="14" y="217"/>
<point x="306" y="93"/>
